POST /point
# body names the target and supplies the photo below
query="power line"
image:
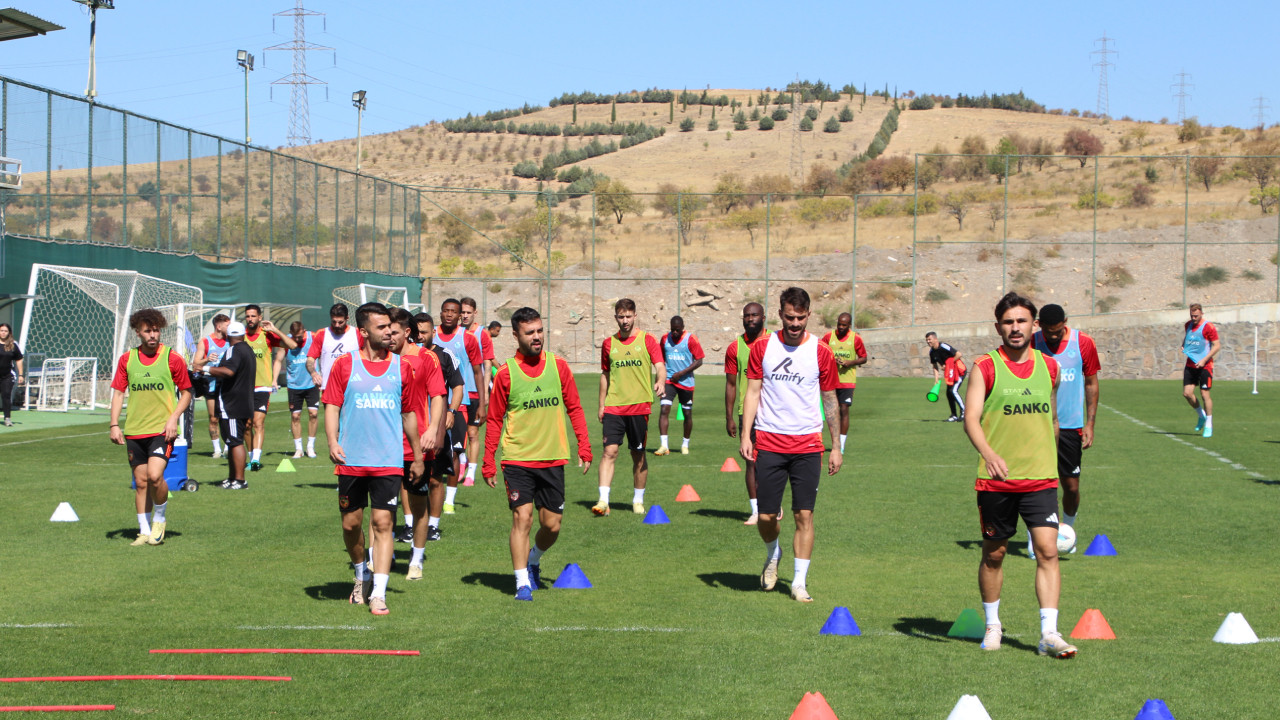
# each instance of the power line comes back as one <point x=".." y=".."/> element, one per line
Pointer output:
<point x="1261" y="107"/>
<point x="298" y="80"/>
<point x="1181" y="86"/>
<point x="1104" y="92"/>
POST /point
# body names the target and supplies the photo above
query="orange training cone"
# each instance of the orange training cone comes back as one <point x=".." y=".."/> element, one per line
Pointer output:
<point x="687" y="494"/>
<point x="730" y="465"/>
<point x="813" y="707"/>
<point x="1093" y="626"/>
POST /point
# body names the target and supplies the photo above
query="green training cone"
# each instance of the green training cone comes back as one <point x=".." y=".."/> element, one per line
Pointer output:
<point x="286" y="465"/>
<point x="969" y="625"/>
<point x="933" y="392"/>
<point x="679" y="411"/>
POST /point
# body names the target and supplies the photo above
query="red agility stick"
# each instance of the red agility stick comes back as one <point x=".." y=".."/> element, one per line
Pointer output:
<point x="99" y="678"/>
<point x="54" y="708"/>
<point x="283" y="651"/>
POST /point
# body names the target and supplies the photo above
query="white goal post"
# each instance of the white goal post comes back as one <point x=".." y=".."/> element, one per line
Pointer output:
<point x="353" y="296"/>
<point x="68" y="384"/>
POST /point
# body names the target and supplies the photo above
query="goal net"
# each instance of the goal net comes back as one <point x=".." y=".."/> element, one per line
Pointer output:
<point x="353" y="296"/>
<point x="68" y="384"/>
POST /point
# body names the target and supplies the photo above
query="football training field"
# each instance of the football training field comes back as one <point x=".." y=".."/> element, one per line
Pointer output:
<point x="675" y="625"/>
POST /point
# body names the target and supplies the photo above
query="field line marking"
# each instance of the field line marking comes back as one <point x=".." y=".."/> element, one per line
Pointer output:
<point x="25" y="626"/>
<point x="1234" y="465"/>
<point x="60" y="437"/>
<point x="304" y="627"/>
<point x="584" y="628"/>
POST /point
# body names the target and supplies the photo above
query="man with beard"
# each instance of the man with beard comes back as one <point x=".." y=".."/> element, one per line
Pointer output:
<point x="850" y="353"/>
<point x="263" y="339"/>
<point x="465" y="347"/>
<point x="735" y="390"/>
<point x="629" y="361"/>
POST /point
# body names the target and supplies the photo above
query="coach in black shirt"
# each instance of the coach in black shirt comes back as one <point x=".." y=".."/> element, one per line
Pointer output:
<point x="235" y="374"/>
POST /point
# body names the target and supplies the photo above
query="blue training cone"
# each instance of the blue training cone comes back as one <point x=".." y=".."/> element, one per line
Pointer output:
<point x="1154" y="710"/>
<point x="841" y="622"/>
<point x="656" y="516"/>
<point x="572" y="578"/>
<point x="1100" y="546"/>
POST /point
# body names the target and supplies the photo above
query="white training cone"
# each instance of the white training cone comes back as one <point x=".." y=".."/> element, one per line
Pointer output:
<point x="969" y="708"/>
<point x="64" y="513"/>
<point x="1235" y="630"/>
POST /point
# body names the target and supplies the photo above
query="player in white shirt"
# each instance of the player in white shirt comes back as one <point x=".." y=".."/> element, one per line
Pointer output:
<point x="337" y="340"/>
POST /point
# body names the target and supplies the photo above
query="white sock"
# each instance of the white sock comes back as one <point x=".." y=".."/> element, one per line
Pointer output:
<point x="1208" y="421"/>
<point x="157" y="512"/>
<point x="1200" y="411"/>
<point x="297" y="444"/>
<point x="418" y="552"/>
<point x="408" y="520"/>
<point x="535" y="555"/>
<point x="842" y="439"/>
<point x="522" y="578"/>
<point x="471" y="471"/>
<point x="449" y="494"/>
<point x="663" y="440"/>
<point x="257" y="455"/>
<point x="144" y="527"/>
<point x="604" y="494"/>
<point x="217" y="445"/>
<point x="802" y="572"/>
<point x="755" y="506"/>
<point x="462" y="459"/>
<point x="380" y="585"/>
<point x="685" y="443"/>
<point x="638" y="496"/>
<point x="1068" y="520"/>
<point x="361" y="570"/>
<point x="772" y="551"/>
<point x="992" y="611"/>
<point x="1048" y="620"/>
<point x="433" y="522"/>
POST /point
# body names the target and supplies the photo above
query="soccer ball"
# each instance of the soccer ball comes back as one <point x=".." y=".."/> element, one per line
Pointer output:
<point x="1066" y="538"/>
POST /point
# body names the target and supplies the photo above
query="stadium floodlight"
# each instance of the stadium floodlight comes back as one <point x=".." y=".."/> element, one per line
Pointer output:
<point x="92" y="90"/>
<point x="358" y="100"/>
<point x="244" y="59"/>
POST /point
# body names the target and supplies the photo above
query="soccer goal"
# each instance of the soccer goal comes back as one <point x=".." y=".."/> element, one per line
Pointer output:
<point x="353" y="296"/>
<point x="68" y="384"/>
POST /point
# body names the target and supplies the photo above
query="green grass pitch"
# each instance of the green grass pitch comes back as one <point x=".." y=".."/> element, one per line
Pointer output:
<point x="675" y="626"/>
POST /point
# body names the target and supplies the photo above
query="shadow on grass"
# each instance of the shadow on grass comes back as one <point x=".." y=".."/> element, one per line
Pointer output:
<point x="329" y="591"/>
<point x="742" y="582"/>
<point x="322" y="486"/>
<point x="725" y="514"/>
<point x="1264" y="481"/>
<point x="1016" y="547"/>
<point x="970" y="544"/>
<point x="504" y="582"/>
<point x="132" y="534"/>
<point x="612" y="506"/>
<point x="924" y="628"/>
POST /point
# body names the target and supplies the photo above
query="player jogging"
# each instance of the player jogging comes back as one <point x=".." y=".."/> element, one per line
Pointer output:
<point x="1014" y="433"/>
<point x="939" y="354"/>
<point x="159" y="389"/>
<point x="1200" y="343"/>
<point x="1077" y="401"/>
<point x="302" y="388"/>
<point x="464" y="346"/>
<point x="788" y="374"/>
<point x="263" y="339"/>
<point x="369" y="402"/>
<point x="682" y="354"/>
<point x="208" y="353"/>
<point x="628" y="362"/>
<point x="532" y="393"/>
<point x="850" y="352"/>
<point x="735" y="390"/>
<point x="471" y="323"/>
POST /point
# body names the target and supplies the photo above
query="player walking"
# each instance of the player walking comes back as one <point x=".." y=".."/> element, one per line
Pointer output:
<point x="939" y="354"/>
<point x="850" y="352"/>
<point x="208" y="353"/>
<point x="788" y="373"/>
<point x="532" y="392"/>
<point x="236" y="373"/>
<point x="628" y="361"/>
<point x="159" y="389"/>
<point x="735" y="390"/>
<point x="1014" y="386"/>
<point x="335" y="341"/>
<point x="303" y="392"/>
<point x="682" y="354"/>
<point x="465" y="347"/>
<point x="471" y="323"/>
<point x="1077" y="401"/>
<point x="369" y="402"/>
<point x="263" y="339"/>
<point x="1200" y="343"/>
<point x="454" y="428"/>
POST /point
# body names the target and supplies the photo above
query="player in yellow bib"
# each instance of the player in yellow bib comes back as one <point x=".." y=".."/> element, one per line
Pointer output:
<point x="735" y="391"/>
<point x="1016" y="438"/>
<point x="159" y="391"/>
<point x="532" y="393"/>
<point x="264" y="339"/>
<point x="850" y="352"/>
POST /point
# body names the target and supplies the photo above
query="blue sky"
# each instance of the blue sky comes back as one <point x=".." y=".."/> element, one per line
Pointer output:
<point x="423" y="61"/>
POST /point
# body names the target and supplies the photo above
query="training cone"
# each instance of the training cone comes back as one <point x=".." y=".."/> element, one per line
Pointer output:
<point x="840" y="622"/>
<point x="572" y="578"/>
<point x="1093" y="626"/>
<point x="1235" y="630"/>
<point x="932" y="396"/>
<point x="286" y="465"/>
<point x="687" y="494"/>
<point x="730" y="465"/>
<point x="656" y="516"/>
<point x="969" y="708"/>
<point x="813" y="707"/>
<point x="679" y="412"/>
<point x="64" y="513"/>
<point x="969" y="625"/>
<point x="1100" y="546"/>
<point x="1154" y="710"/>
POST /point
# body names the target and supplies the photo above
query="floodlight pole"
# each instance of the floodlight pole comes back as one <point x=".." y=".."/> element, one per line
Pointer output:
<point x="91" y="91"/>
<point x="358" y="100"/>
<point x="245" y="60"/>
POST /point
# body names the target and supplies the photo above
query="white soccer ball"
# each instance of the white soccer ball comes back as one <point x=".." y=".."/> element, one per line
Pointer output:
<point x="1066" y="538"/>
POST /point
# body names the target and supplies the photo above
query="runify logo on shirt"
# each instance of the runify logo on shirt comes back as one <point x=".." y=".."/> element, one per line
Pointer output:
<point x="782" y="372"/>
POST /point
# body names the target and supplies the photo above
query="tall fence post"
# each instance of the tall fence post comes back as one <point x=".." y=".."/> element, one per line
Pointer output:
<point x="217" y="197"/>
<point x="48" y="166"/>
<point x="337" y="226"/>
<point x="591" y="335"/>
<point x="88" y="185"/>
<point x="1093" y="272"/>
<point x="124" y="182"/>
<point x="853" y="275"/>
<point x="244" y="156"/>
<point x="158" y="196"/>
<point x="915" y="224"/>
<point x="679" y="242"/>
<point x="768" y="212"/>
<point x="191" y="241"/>
<point x="1186" y="222"/>
<point x="271" y="208"/>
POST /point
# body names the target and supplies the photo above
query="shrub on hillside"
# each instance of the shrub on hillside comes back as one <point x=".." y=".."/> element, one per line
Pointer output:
<point x="1142" y="195"/>
<point x="1094" y="201"/>
<point x="1082" y="144"/>
<point x="923" y="102"/>
<point x="766" y="123"/>
<point x="1207" y="276"/>
<point x="811" y="113"/>
<point x="1190" y="130"/>
<point x="713" y="125"/>
<point x="846" y="114"/>
<point x="779" y="114"/>
<point x="832" y="125"/>
<point x="686" y="125"/>
<point x="806" y="125"/>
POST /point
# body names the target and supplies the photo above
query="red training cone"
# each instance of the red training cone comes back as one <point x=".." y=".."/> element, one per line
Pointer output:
<point x="1093" y="626"/>
<point x="813" y="707"/>
<point x="687" y="494"/>
<point x="730" y="465"/>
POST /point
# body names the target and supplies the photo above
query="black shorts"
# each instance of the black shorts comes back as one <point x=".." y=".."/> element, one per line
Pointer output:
<point x="1070" y="450"/>
<point x="261" y="401"/>
<point x="844" y="396"/>
<point x="422" y="487"/>
<point x="473" y="410"/>
<point x="141" y="450"/>
<point x="634" y="429"/>
<point x="753" y="432"/>
<point x="381" y="492"/>
<point x="457" y="434"/>
<point x="309" y="397"/>
<point x="672" y="392"/>
<point x="774" y="471"/>
<point x="998" y="511"/>
<point x="232" y="431"/>
<point x="544" y="487"/>
<point x="1200" y="377"/>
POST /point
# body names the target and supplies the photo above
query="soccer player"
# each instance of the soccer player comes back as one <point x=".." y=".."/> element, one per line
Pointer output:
<point x="682" y="354"/>
<point x="532" y="392"/>
<point x="159" y="389"/>
<point x="303" y="392"/>
<point x="629" y="362"/>
<point x="236" y="373"/>
<point x="335" y="341"/>
<point x="850" y="352"/>
<point x="263" y="339"/>
<point x="471" y="324"/>
<point x="208" y="353"/>
<point x="939" y="354"/>
<point x="465" y="347"/>
<point x="10" y="370"/>
<point x="369" y="402"/>
<point x="454" y="426"/>
<point x="1077" y="401"/>
<point x="787" y="373"/>
<point x="1013" y="433"/>
<point x="1200" y="343"/>
<point x="735" y="390"/>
